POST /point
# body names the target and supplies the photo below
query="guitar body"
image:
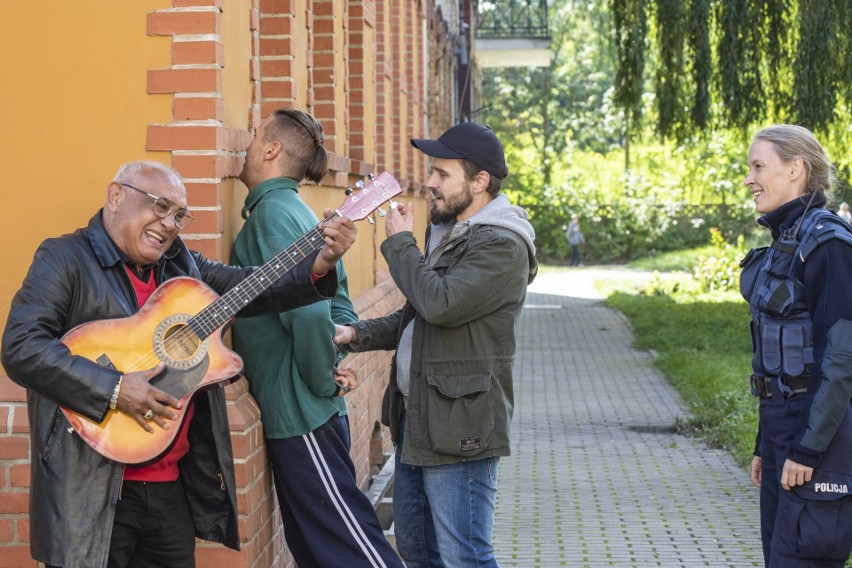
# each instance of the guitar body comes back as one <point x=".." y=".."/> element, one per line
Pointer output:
<point x="158" y="332"/>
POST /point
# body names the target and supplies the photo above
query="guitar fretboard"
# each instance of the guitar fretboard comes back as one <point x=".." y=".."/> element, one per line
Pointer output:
<point x="358" y="205"/>
<point x="223" y="309"/>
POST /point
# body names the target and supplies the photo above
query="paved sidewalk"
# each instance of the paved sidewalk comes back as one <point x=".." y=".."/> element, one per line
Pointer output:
<point x="597" y="476"/>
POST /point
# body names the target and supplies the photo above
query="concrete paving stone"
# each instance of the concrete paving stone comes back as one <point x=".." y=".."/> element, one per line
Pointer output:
<point x="598" y="476"/>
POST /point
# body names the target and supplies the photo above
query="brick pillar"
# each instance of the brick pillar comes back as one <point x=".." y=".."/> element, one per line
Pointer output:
<point x="203" y="150"/>
<point x="362" y="85"/>
<point x="421" y="85"/>
<point x="383" y="62"/>
<point x="276" y="51"/>
<point x="14" y="476"/>
<point x="326" y="75"/>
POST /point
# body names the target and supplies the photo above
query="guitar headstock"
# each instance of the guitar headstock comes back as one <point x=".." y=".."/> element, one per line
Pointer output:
<point x="368" y="197"/>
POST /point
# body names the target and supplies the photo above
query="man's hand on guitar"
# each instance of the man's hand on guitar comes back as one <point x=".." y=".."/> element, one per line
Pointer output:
<point x="338" y="234"/>
<point x="145" y="403"/>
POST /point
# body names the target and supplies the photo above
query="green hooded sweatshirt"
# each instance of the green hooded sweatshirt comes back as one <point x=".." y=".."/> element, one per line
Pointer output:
<point x="288" y="357"/>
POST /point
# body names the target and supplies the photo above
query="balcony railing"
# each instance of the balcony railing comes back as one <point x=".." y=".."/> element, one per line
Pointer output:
<point x="512" y="19"/>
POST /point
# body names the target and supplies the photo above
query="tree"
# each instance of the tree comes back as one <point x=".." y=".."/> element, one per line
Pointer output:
<point x="734" y="63"/>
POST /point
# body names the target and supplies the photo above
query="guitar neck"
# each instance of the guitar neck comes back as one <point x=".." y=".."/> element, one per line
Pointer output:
<point x="358" y="205"/>
<point x="223" y="309"/>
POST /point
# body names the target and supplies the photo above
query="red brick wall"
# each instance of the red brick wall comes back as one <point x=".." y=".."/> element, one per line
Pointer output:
<point x="14" y="476"/>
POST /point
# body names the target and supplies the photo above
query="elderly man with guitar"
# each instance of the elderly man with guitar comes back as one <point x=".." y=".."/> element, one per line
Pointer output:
<point x="131" y="455"/>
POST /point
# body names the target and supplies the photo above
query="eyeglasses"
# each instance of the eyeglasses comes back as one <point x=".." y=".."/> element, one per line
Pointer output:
<point x="164" y="207"/>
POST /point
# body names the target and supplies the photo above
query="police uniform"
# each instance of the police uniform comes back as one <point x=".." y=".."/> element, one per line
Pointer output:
<point x="799" y="291"/>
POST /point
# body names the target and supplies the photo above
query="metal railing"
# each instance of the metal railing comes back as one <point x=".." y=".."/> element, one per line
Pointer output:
<point x="512" y="19"/>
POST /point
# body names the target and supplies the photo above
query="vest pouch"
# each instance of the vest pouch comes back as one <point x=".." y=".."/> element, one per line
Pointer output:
<point x="769" y="355"/>
<point x="776" y="290"/>
<point x="794" y="352"/>
<point x="751" y="265"/>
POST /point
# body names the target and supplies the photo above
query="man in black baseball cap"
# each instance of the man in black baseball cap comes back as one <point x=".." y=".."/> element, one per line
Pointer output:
<point x="449" y="400"/>
<point x="470" y="141"/>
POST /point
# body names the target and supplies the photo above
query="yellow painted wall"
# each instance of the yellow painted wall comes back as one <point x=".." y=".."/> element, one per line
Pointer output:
<point x="341" y="126"/>
<point x="236" y="93"/>
<point x="73" y="108"/>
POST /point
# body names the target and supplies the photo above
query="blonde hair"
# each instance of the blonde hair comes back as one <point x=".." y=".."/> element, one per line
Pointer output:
<point x="791" y="141"/>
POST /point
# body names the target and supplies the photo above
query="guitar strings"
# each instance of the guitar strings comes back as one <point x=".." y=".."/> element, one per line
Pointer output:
<point x="255" y="283"/>
<point x="208" y="317"/>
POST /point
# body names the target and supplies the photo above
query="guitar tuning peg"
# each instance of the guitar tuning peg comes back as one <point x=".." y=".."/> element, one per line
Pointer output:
<point x="359" y="184"/>
<point x="382" y="213"/>
<point x="348" y="191"/>
<point x="371" y="176"/>
<point x="370" y="220"/>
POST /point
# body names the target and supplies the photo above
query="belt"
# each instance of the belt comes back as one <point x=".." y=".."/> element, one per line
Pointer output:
<point x="761" y="387"/>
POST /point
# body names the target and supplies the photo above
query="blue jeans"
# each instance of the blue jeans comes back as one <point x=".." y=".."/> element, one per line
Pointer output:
<point x="444" y="514"/>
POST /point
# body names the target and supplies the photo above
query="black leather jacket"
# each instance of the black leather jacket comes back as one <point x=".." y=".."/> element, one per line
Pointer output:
<point x="79" y="278"/>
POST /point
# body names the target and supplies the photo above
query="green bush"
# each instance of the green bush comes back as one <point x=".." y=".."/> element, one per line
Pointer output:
<point x="665" y="202"/>
<point x="720" y="272"/>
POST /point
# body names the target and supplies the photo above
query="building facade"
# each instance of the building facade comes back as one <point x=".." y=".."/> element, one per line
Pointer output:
<point x="89" y="85"/>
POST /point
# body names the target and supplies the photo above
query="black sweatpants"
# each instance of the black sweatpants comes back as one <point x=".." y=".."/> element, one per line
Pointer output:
<point x="328" y="521"/>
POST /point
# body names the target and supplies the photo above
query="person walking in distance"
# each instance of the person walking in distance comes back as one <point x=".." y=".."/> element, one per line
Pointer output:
<point x="575" y="239"/>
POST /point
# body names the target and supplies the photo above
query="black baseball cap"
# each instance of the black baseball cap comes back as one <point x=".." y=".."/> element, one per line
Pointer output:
<point x="471" y="141"/>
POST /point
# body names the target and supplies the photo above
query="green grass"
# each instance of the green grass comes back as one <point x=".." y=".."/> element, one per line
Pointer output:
<point x="704" y="350"/>
<point x="673" y="261"/>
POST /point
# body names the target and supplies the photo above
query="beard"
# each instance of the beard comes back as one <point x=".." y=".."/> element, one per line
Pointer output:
<point x="453" y="207"/>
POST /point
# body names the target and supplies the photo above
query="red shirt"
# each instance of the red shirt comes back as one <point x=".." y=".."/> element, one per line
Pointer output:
<point x="165" y="468"/>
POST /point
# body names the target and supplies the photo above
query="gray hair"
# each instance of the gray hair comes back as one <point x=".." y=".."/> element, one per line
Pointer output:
<point x="132" y="171"/>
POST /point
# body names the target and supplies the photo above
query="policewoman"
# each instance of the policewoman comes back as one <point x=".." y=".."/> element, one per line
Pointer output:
<point x="799" y="291"/>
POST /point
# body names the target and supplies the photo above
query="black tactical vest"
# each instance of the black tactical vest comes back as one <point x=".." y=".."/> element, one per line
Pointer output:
<point x="781" y="327"/>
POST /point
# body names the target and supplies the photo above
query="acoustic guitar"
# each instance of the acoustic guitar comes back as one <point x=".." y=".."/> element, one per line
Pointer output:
<point x="181" y="324"/>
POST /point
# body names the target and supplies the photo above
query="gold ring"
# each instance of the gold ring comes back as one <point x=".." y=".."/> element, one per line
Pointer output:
<point x="148" y="415"/>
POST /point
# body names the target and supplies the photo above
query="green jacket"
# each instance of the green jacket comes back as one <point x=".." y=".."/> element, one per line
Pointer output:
<point x="289" y="357"/>
<point x="465" y="304"/>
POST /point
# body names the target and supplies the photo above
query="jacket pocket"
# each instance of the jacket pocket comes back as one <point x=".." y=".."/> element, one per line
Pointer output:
<point x="460" y="414"/>
<point x="52" y="435"/>
<point x="814" y="529"/>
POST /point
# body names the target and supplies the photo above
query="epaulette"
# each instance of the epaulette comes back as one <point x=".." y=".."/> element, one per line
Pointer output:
<point x="820" y="226"/>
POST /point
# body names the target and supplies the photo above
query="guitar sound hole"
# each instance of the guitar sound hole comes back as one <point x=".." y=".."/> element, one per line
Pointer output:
<point x="177" y="345"/>
<point x="180" y="342"/>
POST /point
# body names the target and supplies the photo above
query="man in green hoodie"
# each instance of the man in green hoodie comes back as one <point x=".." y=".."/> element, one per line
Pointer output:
<point x="290" y="362"/>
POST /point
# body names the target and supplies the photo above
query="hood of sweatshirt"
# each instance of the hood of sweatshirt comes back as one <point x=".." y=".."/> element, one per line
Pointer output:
<point x="498" y="212"/>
